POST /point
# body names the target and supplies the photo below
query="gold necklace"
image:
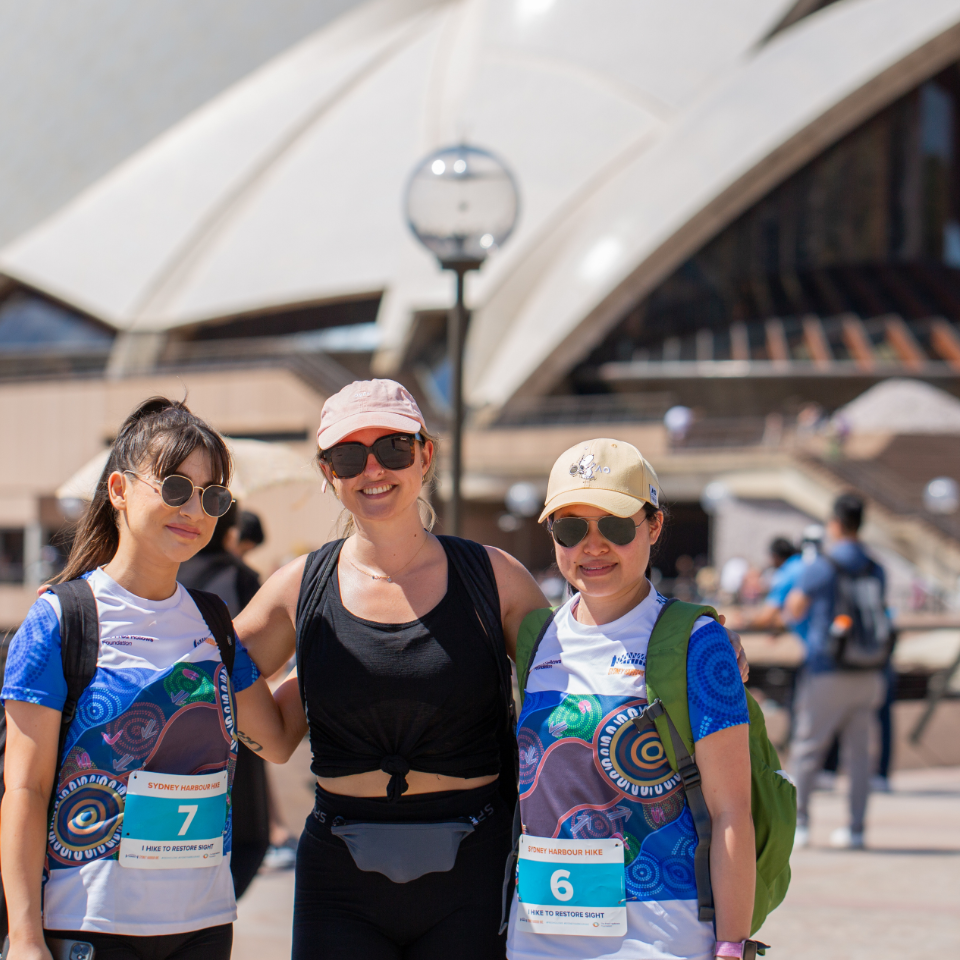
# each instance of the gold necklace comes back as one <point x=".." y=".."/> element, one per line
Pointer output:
<point x="374" y="576"/>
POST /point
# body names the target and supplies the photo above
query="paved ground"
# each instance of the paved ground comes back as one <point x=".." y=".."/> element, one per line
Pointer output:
<point x="899" y="899"/>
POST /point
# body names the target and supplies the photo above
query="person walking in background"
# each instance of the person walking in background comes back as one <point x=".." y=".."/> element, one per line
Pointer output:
<point x="216" y="569"/>
<point x="220" y="570"/>
<point x="249" y="534"/>
<point x="787" y="564"/>
<point x="839" y="690"/>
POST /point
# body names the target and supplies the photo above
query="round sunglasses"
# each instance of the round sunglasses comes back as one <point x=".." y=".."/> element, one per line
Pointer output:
<point x="569" y="531"/>
<point x="175" y="491"/>
<point x="396" y="451"/>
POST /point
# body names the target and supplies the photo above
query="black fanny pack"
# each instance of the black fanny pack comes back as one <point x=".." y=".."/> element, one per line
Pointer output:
<point x="424" y="837"/>
<point x="403" y="851"/>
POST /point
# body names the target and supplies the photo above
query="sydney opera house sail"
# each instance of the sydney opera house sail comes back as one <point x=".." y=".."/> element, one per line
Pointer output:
<point x="759" y="191"/>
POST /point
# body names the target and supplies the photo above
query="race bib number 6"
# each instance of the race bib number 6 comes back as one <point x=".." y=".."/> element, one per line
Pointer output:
<point x="572" y="887"/>
<point x="173" y="822"/>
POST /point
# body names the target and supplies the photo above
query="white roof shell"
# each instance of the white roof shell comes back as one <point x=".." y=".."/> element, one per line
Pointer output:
<point x="636" y="130"/>
<point x="901" y="406"/>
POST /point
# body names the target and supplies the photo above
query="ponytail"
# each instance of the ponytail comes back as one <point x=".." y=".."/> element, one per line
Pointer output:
<point x="160" y="433"/>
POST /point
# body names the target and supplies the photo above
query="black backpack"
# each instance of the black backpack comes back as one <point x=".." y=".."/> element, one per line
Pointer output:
<point x="861" y="636"/>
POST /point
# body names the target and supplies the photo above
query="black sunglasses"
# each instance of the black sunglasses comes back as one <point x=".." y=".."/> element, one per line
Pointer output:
<point x="569" y="531"/>
<point x="175" y="491"/>
<point x="396" y="451"/>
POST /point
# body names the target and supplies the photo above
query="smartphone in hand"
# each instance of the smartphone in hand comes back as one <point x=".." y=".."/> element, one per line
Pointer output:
<point x="60" y="949"/>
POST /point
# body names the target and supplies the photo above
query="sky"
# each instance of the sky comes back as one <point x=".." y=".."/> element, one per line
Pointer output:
<point x="85" y="83"/>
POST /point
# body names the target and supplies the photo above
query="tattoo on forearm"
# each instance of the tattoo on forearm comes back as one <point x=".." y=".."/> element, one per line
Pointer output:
<point x="252" y="744"/>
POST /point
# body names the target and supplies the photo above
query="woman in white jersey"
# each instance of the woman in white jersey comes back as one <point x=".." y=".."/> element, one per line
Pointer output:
<point x="133" y="854"/>
<point x="587" y="774"/>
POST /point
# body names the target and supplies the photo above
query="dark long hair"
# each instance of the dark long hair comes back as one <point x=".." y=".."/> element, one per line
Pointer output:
<point x="160" y="434"/>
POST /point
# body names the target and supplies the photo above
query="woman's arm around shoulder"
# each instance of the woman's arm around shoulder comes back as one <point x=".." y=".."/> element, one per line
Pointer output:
<point x="271" y="724"/>
<point x="519" y="594"/>
<point x="267" y="627"/>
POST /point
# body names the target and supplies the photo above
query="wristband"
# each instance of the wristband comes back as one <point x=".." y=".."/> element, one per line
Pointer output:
<point x="744" y="950"/>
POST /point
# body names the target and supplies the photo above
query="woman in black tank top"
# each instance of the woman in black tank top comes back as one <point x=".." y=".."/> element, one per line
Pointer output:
<point x="402" y="640"/>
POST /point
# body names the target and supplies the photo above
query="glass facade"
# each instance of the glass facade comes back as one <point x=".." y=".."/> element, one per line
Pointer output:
<point x="864" y="236"/>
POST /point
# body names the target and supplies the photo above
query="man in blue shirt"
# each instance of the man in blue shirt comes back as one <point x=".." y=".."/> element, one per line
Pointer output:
<point x="788" y="564"/>
<point x="831" y="700"/>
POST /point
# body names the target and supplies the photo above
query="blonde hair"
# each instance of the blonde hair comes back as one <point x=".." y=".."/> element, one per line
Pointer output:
<point x="428" y="516"/>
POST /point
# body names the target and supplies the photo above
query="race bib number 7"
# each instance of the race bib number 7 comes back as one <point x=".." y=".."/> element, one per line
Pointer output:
<point x="171" y="822"/>
<point x="572" y="887"/>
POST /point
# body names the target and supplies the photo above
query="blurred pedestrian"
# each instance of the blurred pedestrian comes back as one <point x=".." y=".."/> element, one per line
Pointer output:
<point x="217" y="569"/>
<point x="832" y="696"/>
<point x="787" y="563"/>
<point x="685" y="584"/>
<point x="249" y="533"/>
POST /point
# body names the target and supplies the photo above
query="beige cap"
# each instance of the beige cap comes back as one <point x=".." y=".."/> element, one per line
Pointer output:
<point x="609" y="474"/>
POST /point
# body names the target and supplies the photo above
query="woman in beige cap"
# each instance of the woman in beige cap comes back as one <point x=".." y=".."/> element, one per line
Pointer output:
<point x="402" y="641"/>
<point x="604" y="815"/>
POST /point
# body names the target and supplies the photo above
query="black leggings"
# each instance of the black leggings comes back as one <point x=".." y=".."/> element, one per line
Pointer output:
<point x="212" y="943"/>
<point x="343" y="913"/>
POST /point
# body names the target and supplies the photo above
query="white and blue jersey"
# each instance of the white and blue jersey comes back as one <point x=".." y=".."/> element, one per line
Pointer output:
<point x="160" y="701"/>
<point x="587" y="773"/>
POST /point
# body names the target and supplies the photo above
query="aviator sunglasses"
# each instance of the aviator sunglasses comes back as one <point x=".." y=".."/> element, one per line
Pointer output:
<point x="569" y="531"/>
<point x="396" y="451"/>
<point x="175" y="491"/>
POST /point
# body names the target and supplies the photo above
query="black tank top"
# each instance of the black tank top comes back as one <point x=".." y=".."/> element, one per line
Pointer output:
<point x="423" y="695"/>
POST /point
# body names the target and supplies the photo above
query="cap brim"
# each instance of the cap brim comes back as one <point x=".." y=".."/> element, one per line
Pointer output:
<point x="619" y="504"/>
<point x="364" y="421"/>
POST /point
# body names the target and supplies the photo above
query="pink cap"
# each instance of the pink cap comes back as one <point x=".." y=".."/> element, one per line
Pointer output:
<point x="368" y="403"/>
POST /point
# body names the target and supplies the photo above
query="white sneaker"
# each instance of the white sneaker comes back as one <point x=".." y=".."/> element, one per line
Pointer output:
<point x="826" y="780"/>
<point x="880" y="784"/>
<point x="845" y="839"/>
<point x="801" y="838"/>
<point x="280" y="858"/>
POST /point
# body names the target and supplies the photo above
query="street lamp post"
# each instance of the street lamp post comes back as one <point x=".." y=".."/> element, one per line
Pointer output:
<point x="461" y="204"/>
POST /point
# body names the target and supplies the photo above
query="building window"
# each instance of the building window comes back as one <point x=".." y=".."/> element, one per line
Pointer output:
<point x="870" y="227"/>
<point x="11" y="555"/>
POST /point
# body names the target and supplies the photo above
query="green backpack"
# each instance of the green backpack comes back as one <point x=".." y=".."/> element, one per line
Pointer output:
<point x="774" y="798"/>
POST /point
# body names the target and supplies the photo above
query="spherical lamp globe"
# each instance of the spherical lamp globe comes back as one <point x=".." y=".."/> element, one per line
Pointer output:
<point x="461" y="204"/>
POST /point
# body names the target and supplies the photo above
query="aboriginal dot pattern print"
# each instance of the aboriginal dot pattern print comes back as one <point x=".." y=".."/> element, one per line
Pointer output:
<point x="586" y="772"/>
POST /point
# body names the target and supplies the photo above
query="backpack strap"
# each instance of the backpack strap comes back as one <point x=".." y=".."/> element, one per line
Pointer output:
<point x="472" y="564"/>
<point x="669" y="639"/>
<point x="79" y="649"/>
<point x="475" y="570"/>
<point x="531" y="633"/>
<point x="690" y="775"/>
<point x="316" y="575"/>
<point x="217" y="617"/>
